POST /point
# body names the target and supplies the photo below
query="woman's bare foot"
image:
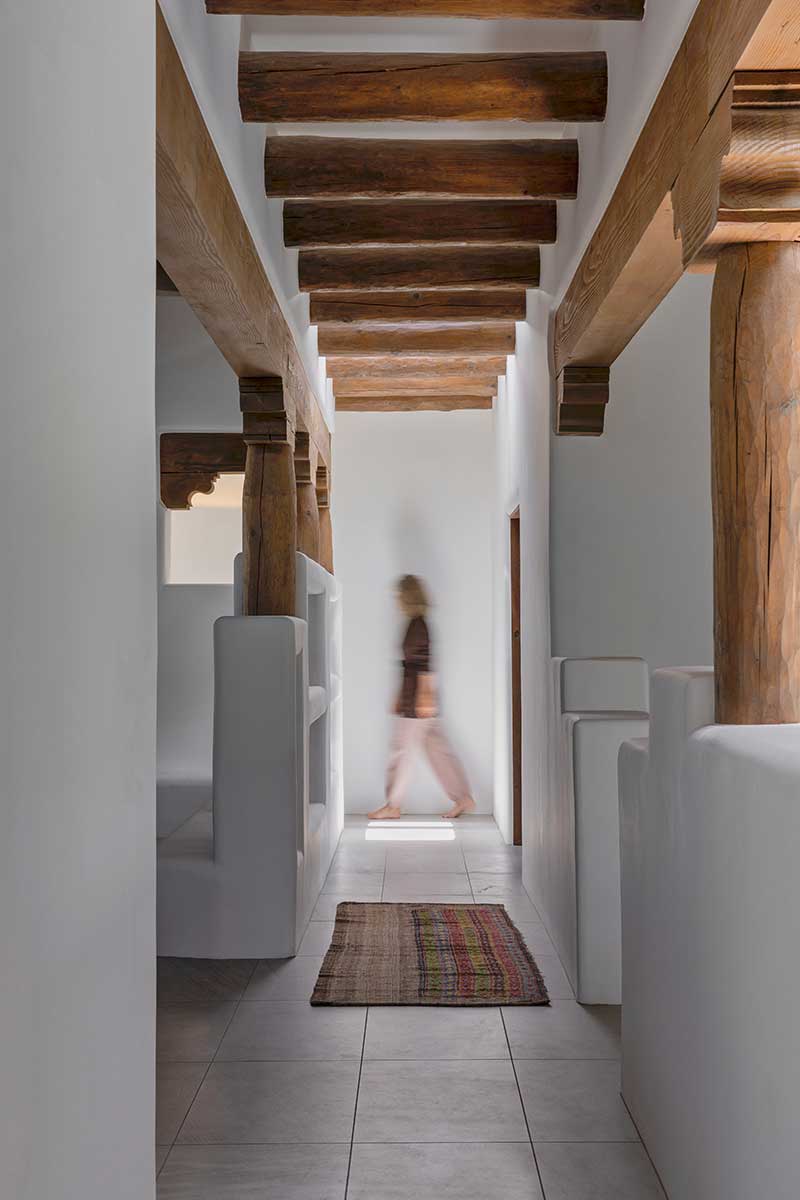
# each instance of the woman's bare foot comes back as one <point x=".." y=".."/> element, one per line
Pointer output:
<point x="387" y="813"/>
<point x="458" y="810"/>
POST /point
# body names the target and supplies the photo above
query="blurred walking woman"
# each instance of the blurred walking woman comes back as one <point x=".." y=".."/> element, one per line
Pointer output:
<point x="416" y="721"/>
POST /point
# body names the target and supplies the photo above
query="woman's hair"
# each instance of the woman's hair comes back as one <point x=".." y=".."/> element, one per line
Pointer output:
<point x="412" y="597"/>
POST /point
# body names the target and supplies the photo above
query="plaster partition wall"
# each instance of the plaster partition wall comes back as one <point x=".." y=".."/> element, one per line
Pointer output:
<point x="522" y="434"/>
<point x="631" y="546"/>
<point x="78" y="602"/>
<point x="413" y="494"/>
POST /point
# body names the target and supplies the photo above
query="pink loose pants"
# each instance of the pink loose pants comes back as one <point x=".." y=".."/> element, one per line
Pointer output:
<point x="410" y="734"/>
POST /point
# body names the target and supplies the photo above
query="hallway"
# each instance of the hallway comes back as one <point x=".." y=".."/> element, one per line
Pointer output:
<point x="260" y="1095"/>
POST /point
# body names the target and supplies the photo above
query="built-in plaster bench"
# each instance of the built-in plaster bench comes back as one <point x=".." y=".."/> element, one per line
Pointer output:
<point x="241" y="880"/>
<point x="599" y="704"/>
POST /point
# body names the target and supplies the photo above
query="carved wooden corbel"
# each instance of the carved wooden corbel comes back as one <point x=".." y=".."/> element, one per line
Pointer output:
<point x="581" y="401"/>
<point x="193" y="462"/>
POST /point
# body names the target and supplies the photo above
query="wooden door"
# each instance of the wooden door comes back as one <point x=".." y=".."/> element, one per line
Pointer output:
<point x="516" y="679"/>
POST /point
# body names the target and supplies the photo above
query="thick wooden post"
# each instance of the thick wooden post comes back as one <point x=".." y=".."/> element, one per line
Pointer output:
<point x="755" y="431"/>
<point x="308" y="522"/>
<point x="269" y="508"/>
<point x="326" y="539"/>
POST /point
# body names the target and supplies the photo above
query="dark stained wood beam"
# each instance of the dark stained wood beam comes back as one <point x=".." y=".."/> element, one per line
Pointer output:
<point x="412" y="306"/>
<point x="587" y="10"/>
<point x="374" y="366"/>
<point x="411" y="403"/>
<point x="307" y="167"/>
<point x="315" y="225"/>
<point x="434" y="267"/>
<point x="191" y="463"/>
<point x="581" y="400"/>
<point x="205" y="246"/>
<point x="290" y="86"/>
<point x="486" y="337"/>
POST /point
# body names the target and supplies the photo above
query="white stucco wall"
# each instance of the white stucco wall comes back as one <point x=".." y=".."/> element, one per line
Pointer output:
<point x="413" y="494"/>
<point x="78" y="602"/>
<point x="631" y="547"/>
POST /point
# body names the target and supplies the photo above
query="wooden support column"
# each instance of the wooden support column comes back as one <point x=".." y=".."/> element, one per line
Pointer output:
<point x="755" y="431"/>
<point x="269" y="509"/>
<point x="325" y="522"/>
<point x="305" y="465"/>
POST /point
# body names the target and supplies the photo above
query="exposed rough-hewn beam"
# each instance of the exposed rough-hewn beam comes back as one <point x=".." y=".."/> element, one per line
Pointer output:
<point x="315" y="225"/>
<point x="486" y="337"/>
<point x="204" y="245"/>
<point x="581" y="401"/>
<point x="290" y="86"/>
<point x="415" y="306"/>
<point x="411" y="403"/>
<point x="307" y="167"/>
<point x="589" y="10"/>
<point x="373" y="366"/>
<point x="418" y="385"/>
<point x="434" y="267"/>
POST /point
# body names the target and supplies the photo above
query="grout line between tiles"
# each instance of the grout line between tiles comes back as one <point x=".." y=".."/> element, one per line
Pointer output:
<point x="355" y="1106"/>
<point x="524" y="1110"/>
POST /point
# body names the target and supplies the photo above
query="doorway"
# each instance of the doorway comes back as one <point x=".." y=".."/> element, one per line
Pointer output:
<point x="516" y="678"/>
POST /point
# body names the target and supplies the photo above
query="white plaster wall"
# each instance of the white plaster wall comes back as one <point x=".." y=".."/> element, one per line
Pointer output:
<point x="522" y="423"/>
<point x="631" y="511"/>
<point x="413" y="493"/>
<point x="78" y="604"/>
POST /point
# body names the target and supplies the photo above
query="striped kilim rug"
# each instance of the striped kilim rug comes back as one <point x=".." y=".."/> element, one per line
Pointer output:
<point x="448" y="954"/>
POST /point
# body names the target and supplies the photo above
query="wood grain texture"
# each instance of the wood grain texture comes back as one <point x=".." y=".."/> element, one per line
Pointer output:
<point x="326" y="539"/>
<point x="418" y="385"/>
<point x="582" y="396"/>
<point x="755" y="434"/>
<point x="191" y="463"/>
<point x="315" y="225"/>
<point x="411" y="403"/>
<point x="204" y="245"/>
<point x="483" y="337"/>
<point x="307" y="167"/>
<point x="590" y="10"/>
<point x="433" y="267"/>
<point x="364" y="366"/>
<point x="412" y="306"/>
<point x="269" y="530"/>
<point x="716" y="40"/>
<point x="308" y="526"/>
<point x="291" y="86"/>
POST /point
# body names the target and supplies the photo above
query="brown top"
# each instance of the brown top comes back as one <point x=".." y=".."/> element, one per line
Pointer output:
<point x="416" y="697"/>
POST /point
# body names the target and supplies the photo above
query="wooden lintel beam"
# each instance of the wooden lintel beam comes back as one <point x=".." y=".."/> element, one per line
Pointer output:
<point x="307" y="167"/>
<point x="588" y="10"/>
<point x="487" y="337"/>
<point x="630" y="253"/>
<point x="293" y="86"/>
<point x="581" y="401"/>
<point x="205" y="247"/>
<point x="411" y="403"/>
<point x="413" y="306"/>
<point x="317" y="224"/>
<point x="432" y="267"/>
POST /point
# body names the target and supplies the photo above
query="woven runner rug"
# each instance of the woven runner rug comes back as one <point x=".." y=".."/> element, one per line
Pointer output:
<point x="446" y="954"/>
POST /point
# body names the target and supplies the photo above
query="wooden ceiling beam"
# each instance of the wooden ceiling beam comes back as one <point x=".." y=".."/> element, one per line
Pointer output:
<point x="317" y="225"/>
<point x="411" y="403"/>
<point x="413" y="306"/>
<point x="413" y="385"/>
<point x="374" y="366"/>
<point x="290" y="86"/>
<point x="434" y="267"/>
<point x="587" y="10"/>
<point x="308" y="167"/>
<point x="204" y="245"/>
<point x="487" y="337"/>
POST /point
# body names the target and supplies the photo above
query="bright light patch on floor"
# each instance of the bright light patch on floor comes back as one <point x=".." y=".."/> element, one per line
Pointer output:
<point x="410" y="831"/>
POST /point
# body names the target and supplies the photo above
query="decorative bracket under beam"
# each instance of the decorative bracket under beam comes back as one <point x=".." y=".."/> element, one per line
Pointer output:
<point x="193" y="462"/>
<point x="581" y="401"/>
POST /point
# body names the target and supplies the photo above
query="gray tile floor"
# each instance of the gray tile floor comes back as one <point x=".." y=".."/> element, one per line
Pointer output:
<point x="261" y="1097"/>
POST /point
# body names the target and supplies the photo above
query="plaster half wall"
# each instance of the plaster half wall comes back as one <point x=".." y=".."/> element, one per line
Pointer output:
<point x="631" y="544"/>
<point x="413" y="493"/>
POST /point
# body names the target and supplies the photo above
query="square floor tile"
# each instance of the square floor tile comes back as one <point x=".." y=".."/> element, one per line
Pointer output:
<point x="162" y="1153"/>
<point x="555" y="977"/>
<point x="328" y="903"/>
<point x="191" y="1032"/>
<point x="342" y="882"/>
<point x="597" y="1171"/>
<point x="519" y="908"/>
<point x="422" y="896"/>
<point x="536" y="937"/>
<point x="564" y="1030"/>
<point x="424" y="860"/>
<point x="427" y="884"/>
<point x="176" y="1086"/>
<point x="439" y="1102"/>
<point x="292" y="1029"/>
<point x="201" y="980"/>
<point x="316" y="939"/>
<point x="573" y="1101"/>
<point x="284" y="979"/>
<point x="484" y="1171"/>
<point x="484" y="883"/>
<point x="494" y="862"/>
<point x="255" y="1173"/>
<point x="259" y="1102"/>
<point x="431" y="1033"/>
